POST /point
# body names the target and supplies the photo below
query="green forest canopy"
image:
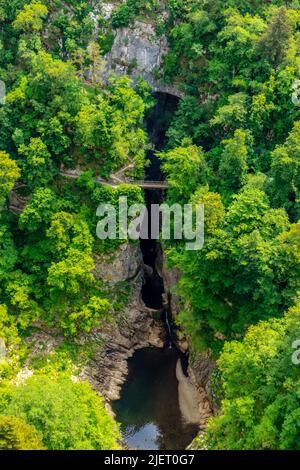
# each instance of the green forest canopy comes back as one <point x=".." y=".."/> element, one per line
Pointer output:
<point x="233" y="144"/>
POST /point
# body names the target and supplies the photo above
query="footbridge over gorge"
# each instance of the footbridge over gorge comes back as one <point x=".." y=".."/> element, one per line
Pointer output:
<point x="114" y="181"/>
<point x="17" y="203"/>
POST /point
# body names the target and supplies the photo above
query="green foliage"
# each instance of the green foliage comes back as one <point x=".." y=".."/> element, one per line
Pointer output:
<point x="8" y="251"/>
<point x="220" y="56"/>
<point x="9" y="174"/>
<point x="235" y="280"/>
<point x="72" y="272"/>
<point x="186" y="169"/>
<point x="16" y="434"/>
<point x="19" y="290"/>
<point x="108" y="195"/>
<point x="263" y="413"/>
<point x="37" y="165"/>
<point x="233" y="166"/>
<point x="237" y="64"/>
<point x="93" y="128"/>
<point x="86" y="318"/>
<point x="285" y="171"/>
<point x="9" y="332"/>
<point x="59" y="114"/>
<point x="232" y="114"/>
<point x="125" y="13"/>
<point x="39" y="210"/>
<point x="64" y="123"/>
<point x="31" y="17"/>
<point x="275" y="41"/>
<point x="122" y="17"/>
<point x="68" y="415"/>
<point x="66" y="230"/>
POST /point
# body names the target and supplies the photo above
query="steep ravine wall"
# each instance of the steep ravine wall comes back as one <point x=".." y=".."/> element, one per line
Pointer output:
<point x="200" y="365"/>
<point x="135" y="329"/>
<point x="137" y="50"/>
<point x="112" y="344"/>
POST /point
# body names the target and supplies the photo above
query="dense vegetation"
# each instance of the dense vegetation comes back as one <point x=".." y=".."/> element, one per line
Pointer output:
<point x="68" y="415"/>
<point x="57" y="115"/>
<point x="261" y="387"/>
<point x="233" y="145"/>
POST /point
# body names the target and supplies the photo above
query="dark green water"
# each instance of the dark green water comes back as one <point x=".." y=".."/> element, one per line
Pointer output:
<point x="148" y="409"/>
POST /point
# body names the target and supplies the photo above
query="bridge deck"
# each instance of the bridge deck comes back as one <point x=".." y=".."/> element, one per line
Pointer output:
<point x="150" y="184"/>
<point x="114" y="183"/>
<point x="17" y="203"/>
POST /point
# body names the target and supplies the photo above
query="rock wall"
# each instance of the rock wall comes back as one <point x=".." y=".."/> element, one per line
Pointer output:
<point x="201" y="365"/>
<point x="170" y="277"/>
<point x="134" y="329"/>
<point x="114" y="342"/>
<point x="108" y="369"/>
<point x="193" y="400"/>
<point x="137" y="51"/>
<point x="122" y="265"/>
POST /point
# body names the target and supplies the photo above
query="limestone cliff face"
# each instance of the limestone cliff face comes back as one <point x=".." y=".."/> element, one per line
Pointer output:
<point x="201" y="364"/>
<point x="138" y="51"/>
<point x="134" y="329"/>
<point x="114" y="342"/>
<point x="123" y="265"/>
<point x="171" y="277"/>
<point x="108" y="369"/>
<point x="193" y="400"/>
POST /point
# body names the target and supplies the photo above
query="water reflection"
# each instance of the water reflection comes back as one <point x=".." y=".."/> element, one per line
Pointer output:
<point x="148" y="408"/>
<point x="142" y="437"/>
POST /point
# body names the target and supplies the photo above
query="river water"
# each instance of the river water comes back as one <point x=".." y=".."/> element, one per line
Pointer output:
<point x="148" y="407"/>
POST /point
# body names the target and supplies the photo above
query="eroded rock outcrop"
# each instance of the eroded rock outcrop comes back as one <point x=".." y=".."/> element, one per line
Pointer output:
<point x="193" y="400"/>
<point x="137" y="329"/>
<point x="137" y="51"/>
<point x="201" y="365"/>
<point x="122" y="265"/>
<point x="114" y="342"/>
